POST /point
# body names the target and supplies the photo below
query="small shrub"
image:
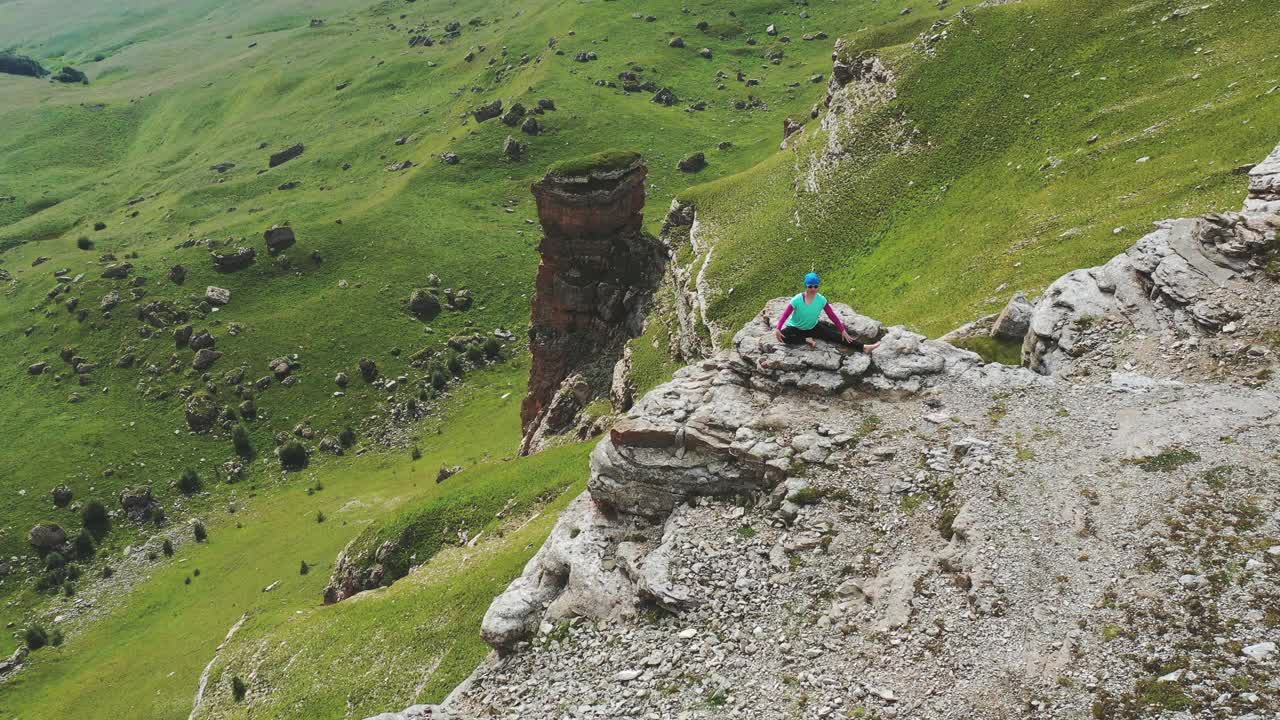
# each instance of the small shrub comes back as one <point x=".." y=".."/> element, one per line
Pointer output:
<point x="240" y="439"/>
<point x="167" y="547"/>
<point x="68" y="589"/>
<point x="475" y="355"/>
<point x="95" y="518"/>
<point x="107" y="572"/>
<point x="347" y="438"/>
<point x="238" y="688"/>
<point x="186" y="580"/>
<point x="416" y="453"/>
<point x="84" y="243"/>
<point x="54" y="561"/>
<point x="189" y="483"/>
<point x="492" y="347"/>
<point x="455" y="365"/>
<point x="84" y="545"/>
<point x="198" y="530"/>
<point x="439" y="380"/>
<point x="55" y="638"/>
<point x="304" y="568"/>
<point x="35" y="637"/>
<point x="293" y="455"/>
<point x="320" y="516"/>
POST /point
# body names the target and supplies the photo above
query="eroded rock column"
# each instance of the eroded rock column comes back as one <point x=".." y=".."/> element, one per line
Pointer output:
<point x="598" y="273"/>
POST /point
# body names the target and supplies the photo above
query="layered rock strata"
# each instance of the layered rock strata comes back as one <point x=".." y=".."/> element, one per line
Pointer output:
<point x="1190" y="278"/>
<point x="598" y="273"/>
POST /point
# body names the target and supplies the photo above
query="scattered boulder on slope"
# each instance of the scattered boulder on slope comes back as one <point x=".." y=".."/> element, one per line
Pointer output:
<point x="279" y="238"/>
<point x="488" y="111"/>
<point x="242" y="258"/>
<point x="217" y="295"/>
<point x="424" y="304"/>
<point x="1014" y="321"/>
<point x="201" y="412"/>
<point x="46" y="537"/>
<point x="138" y="503"/>
<point x="286" y="155"/>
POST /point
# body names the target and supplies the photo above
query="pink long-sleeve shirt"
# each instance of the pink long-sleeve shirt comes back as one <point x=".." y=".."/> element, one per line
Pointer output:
<point x="835" y="319"/>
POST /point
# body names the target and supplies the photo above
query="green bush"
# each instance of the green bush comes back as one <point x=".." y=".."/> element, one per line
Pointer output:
<point x="455" y="365"/>
<point x="55" y="638"/>
<point x="439" y="380"/>
<point x="475" y="356"/>
<point x="293" y="455"/>
<point x="54" y="561"/>
<point x="200" y="533"/>
<point x="492" y="347"/>
<point x="167" y="547"/>
<point x="320" y="516"/>
<point x="84" y="243"/>
<point x="95" y="518"/>
<point x="189" y="483"/>
<point x="238" y="688"/>
<point x="304" y="568"/>
<point x="84" y="545"/>
<point x="35" y="637"/>
<point x="240" y="439"/>
<point x="347" y="437"/>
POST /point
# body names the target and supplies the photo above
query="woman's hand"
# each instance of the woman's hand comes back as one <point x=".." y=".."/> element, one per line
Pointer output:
<point x="844" y="335"/>
<point x="778" y="334"/>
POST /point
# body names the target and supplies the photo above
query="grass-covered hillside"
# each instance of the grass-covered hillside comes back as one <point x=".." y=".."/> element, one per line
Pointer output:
<point x="979" y="179"/>
<point x="1034" y="138"/>
<point x="163" y="157"/>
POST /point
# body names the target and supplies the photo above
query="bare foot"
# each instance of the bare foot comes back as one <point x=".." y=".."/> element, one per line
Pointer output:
<point x="868" y="349"/>
<point x="813" y="344"/>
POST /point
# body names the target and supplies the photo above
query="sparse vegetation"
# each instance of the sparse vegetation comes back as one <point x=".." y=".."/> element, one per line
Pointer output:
<point x="189" y="482"/>
<point x="1167" y="461"/>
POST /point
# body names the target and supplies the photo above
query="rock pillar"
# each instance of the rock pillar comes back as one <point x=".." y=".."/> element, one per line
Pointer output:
<point x="598" y="272"/>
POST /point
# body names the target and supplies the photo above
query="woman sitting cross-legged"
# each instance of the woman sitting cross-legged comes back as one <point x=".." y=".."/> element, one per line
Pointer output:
<point x="802" y="320"/>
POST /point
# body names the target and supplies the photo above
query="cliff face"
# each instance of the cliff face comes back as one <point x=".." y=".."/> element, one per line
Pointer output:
<point x="598" y="273"/>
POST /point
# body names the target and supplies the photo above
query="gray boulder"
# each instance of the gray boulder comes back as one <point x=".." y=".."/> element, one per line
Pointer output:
<point x="46" y="537"/>
<point x="1015" y="320"/>
<point x="242" y="258"/>
<point x="217" y="295"/>
<point x="201" y="412"/>
<point x="279" y="238"/>
<point x="488" y="111"/>
<point x="424" y="304"/>
<point x="137" y="502"/>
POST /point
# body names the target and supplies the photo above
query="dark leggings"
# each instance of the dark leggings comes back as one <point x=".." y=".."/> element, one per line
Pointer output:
<point x="822" y="331"/>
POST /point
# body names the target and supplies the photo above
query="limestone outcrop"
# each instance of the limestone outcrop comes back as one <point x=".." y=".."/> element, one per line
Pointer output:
<point x="598" y="272"/>
<point x="1190" y="278"/>
<point x="720" y="428"/>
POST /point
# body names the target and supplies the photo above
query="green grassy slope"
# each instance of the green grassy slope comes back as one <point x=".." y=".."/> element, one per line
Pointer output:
<point x="151" y="127"/>
<point x="999" y="186"/>
<point x="416" y="640"/>
<point x="144" y="657"/>
<point x="923" y="235"/>
<point x="173" y="96"/>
